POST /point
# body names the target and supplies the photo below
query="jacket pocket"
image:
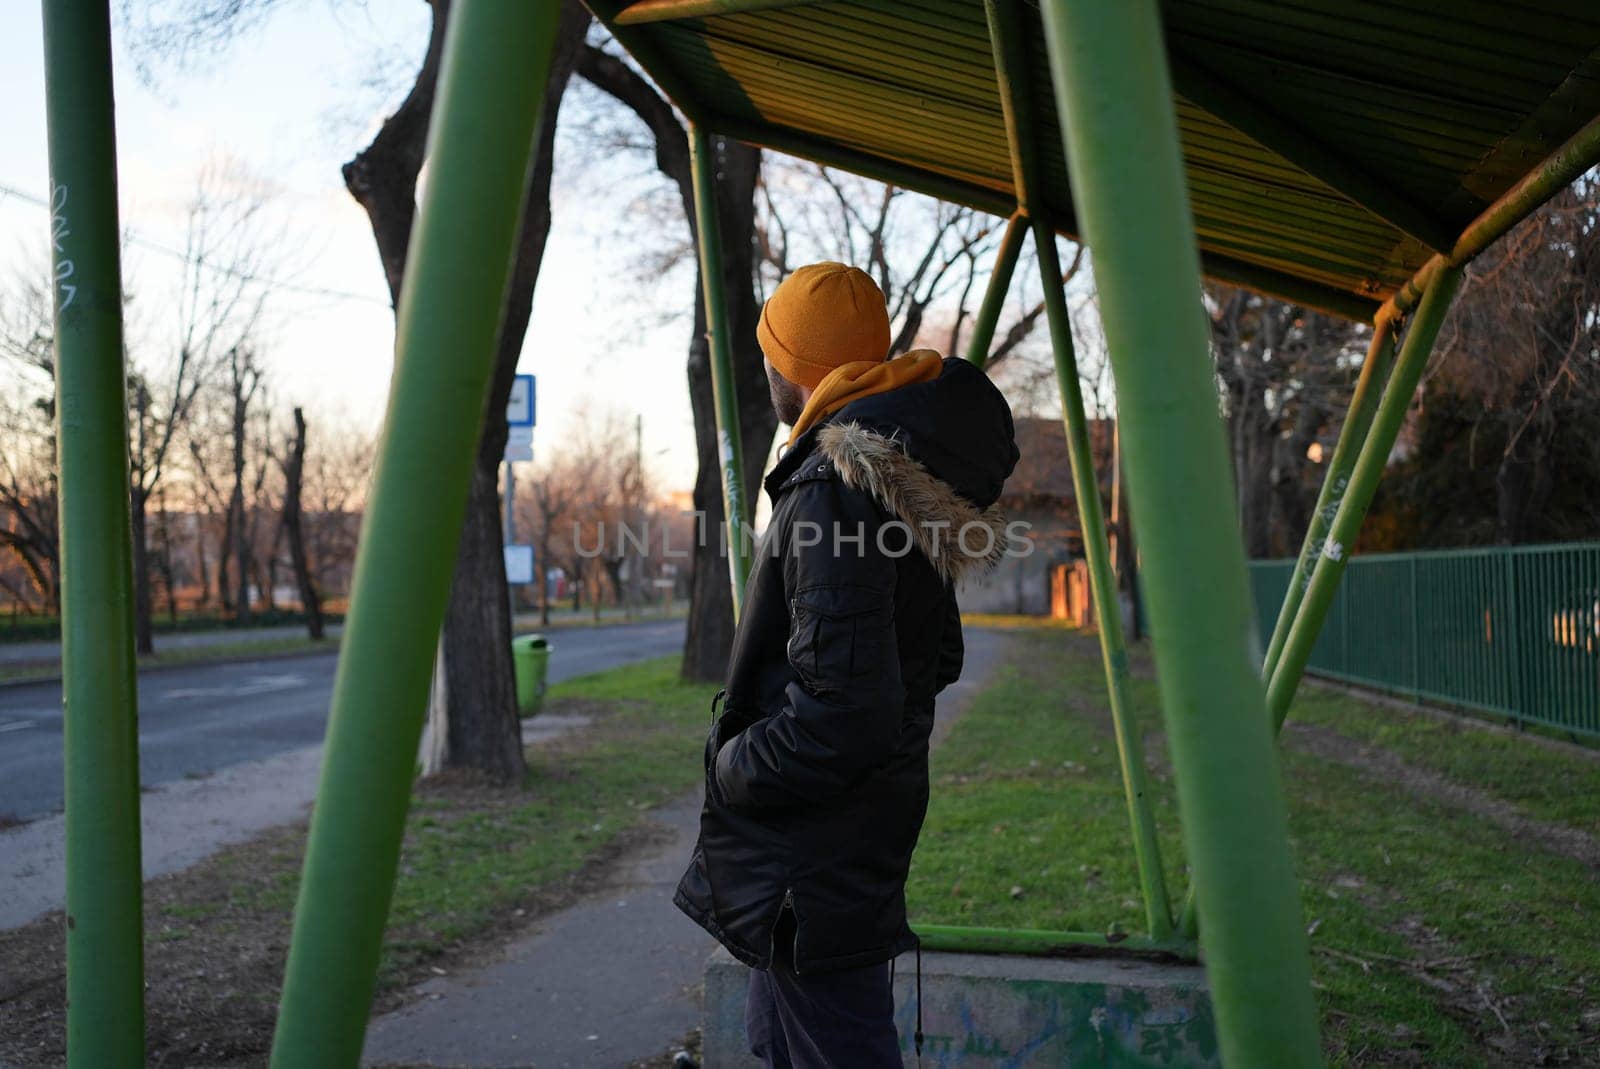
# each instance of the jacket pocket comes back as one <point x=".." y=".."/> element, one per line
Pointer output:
<point x="839" y="633"/>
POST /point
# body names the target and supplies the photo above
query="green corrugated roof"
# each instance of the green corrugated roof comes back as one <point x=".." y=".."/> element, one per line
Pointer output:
<point x="1444" y="105"/>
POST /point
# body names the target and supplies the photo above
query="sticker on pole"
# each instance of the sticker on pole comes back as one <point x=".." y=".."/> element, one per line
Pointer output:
<point x="519" y="409"/>
<point x="519" y="565"/>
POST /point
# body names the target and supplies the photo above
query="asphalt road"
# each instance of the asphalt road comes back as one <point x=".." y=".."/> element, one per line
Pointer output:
<point x="195" y="720"/>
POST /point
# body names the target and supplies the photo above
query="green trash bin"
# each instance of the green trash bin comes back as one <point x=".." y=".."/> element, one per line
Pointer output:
<point x="530" y="655"/>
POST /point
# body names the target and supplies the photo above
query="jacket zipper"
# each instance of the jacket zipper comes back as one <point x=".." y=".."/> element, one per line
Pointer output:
<point x="772" y="936"/>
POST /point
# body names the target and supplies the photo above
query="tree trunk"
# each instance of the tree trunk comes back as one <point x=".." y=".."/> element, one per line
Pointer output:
<point x="1522" y="486"/>
<point x="1254" y="435"/>
<point x="143" y="636"/>
<point x="241" y="557"/>
<point x="202" y="564"/>
<point x="224" y="555"/>
<point x="484" y="730"/>
<point x="236" y="503"/>
<point x="293" y="526"/>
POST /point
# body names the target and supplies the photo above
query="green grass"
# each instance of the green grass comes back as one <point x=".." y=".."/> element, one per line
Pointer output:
<point x="1429" y="925"/>
<point x="473" y="855"/>
<point x="477" y="860"/>
<point x="183" y="655"/>
<point x="1026" y="794"/>
<point x="1544" y="780"/>
<point x="463" y="868"/>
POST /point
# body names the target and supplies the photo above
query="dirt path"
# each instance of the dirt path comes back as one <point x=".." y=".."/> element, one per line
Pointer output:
<point x="1382" y="764"/>
<point x="608" y="982"/>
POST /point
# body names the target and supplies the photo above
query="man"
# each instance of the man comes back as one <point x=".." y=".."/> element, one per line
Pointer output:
<point x="817" y="767"/>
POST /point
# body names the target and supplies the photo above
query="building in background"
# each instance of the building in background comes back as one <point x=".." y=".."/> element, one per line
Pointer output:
<point x="1040" y="495"/>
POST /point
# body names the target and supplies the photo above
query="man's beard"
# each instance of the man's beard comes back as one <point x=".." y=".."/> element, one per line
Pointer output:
<point x="786" y="400"/>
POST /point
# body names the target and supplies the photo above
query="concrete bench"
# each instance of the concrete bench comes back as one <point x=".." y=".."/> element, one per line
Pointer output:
<point x="1010" y="1012"/>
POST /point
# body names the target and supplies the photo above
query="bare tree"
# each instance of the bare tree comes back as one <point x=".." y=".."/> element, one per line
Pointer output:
<point x="927" y="256"/>
<point x="483" y="727"/>
<point x="1286" y="374"/>
<point x="293" y="464"/>
<point x="244" y="379"/>
<point x="551" y="493"/>
<point x="382" y="178"/>
<point x="334" y="481"/>
<point x="28" y="491"/>
<point x="217" y="312"/>
<point x="1504" y="443"/>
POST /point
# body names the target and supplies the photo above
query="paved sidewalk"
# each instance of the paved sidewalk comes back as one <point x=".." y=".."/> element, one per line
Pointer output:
<point x="604" y="983"/>
<point x="187" y="821"/>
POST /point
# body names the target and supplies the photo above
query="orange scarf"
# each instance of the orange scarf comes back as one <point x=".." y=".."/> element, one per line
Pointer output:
<point x="863" y="378"/>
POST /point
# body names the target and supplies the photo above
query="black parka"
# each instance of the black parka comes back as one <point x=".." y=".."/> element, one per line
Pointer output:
<point x="817" y="766"/>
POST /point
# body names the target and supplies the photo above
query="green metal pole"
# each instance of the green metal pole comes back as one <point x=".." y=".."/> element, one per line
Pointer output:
<point x="1012" y="76"/>
<point x="1352" y="437"/>
<point x="1114" y="97"/>
<point x="1363" y="403"/>
<point x="491" y="88"/>
<point x="994" y="297"/>
<point x="730" y="448"/>
<point x="105" y="956"/>
<point x="1103" y="588"/>
<point x="1346" y="525"/>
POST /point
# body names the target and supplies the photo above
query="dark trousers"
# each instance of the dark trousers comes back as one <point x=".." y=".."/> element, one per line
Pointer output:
<point x="832" y="1020"/>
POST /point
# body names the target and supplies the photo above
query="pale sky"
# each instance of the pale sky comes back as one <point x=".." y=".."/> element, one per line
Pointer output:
<point x="290" y="103"/>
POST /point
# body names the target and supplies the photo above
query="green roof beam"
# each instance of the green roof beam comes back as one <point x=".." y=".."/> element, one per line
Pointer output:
<point x="1216" y="266"/>
<point x="892" y="172"/>
<point x="642" y="47"/>
<point x="1286" y="287"/>
<point x="1576" y="155"/>
<point x="1305" y="152"/>
<point x="1012" y="75"/>
<point x="646" y="11"/>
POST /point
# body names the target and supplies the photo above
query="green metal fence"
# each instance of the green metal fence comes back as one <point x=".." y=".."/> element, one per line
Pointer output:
<point x="1513" y="631"/>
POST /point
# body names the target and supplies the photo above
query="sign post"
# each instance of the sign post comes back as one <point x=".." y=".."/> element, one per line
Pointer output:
<point x="519" y="447"/>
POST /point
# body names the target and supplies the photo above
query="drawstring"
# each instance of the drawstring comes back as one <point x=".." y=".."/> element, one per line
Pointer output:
<point x="917" y="1035"/>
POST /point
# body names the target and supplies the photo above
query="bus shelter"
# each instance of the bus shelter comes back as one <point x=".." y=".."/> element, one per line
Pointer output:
<point x="1347" y="155"/>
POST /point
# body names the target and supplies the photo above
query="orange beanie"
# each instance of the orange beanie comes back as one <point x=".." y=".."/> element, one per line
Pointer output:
<point x="822" y="317"/>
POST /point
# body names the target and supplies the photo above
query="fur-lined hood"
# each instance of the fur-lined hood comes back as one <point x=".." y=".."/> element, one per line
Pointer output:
<point x="960" y="539"/>
<point x="935" y="453"/>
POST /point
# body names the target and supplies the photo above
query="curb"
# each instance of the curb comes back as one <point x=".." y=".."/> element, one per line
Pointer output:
<point x="158" y="666"/>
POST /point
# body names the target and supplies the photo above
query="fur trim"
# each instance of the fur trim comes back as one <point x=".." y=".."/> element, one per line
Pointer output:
<point x="937" y="515"/>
